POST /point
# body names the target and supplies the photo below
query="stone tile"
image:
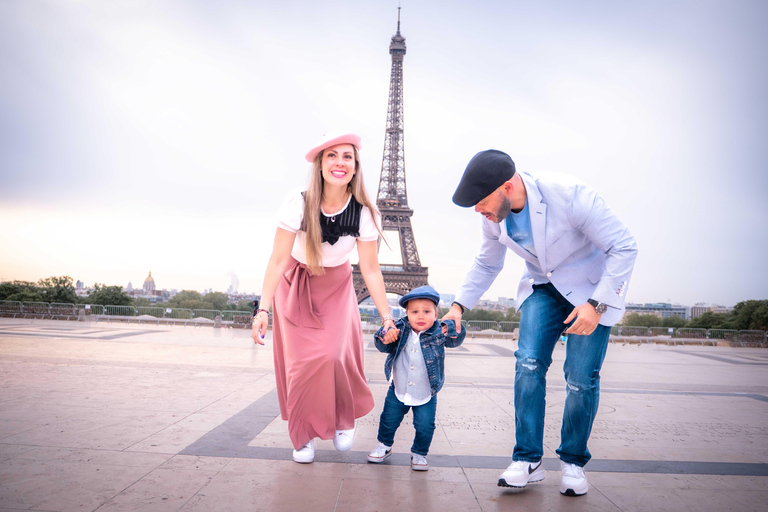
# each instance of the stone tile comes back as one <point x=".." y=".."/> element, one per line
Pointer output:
<point x="540" y="497"/>
<point x="399" y="472"/>
<point x="235" y="492"/>
<point x="286" y="468"/>
<point x="166" y="488"/>
<point x="185" y="462"/>
<point x="146" y="461"/>
<point x="62" y="486"/>
<point x="418" y="493"/>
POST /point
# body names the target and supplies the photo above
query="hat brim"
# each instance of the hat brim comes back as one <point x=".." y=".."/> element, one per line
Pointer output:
<point x="333" y="140"/>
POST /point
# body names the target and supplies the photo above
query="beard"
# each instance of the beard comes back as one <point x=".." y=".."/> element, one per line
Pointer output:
<point x="504" y="208"/>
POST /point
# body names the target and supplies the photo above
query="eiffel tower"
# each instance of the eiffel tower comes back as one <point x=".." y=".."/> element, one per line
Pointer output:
<point x="392" y="200"/>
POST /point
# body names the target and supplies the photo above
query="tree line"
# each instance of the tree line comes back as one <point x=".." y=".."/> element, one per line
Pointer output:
<point x="746" y="315"/>
<point x="62" y="290"/>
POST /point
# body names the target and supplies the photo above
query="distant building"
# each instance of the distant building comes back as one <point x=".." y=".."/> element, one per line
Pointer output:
<point x="700" y="308"/>
<point x="660" y="309"/>
<point x="149" y="285"/>
<point x="446" y="299"/>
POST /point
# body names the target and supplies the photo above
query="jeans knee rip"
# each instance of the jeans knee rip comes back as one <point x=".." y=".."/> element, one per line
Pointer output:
<point x="574" y="387"/>
<point x="530" y="364"/>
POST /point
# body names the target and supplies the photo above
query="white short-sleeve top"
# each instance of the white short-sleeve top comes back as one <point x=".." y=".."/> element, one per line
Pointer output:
<point x="334" y="253"/>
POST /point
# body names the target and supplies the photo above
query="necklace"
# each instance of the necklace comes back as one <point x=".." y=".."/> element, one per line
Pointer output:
<point x="336" y="208"/>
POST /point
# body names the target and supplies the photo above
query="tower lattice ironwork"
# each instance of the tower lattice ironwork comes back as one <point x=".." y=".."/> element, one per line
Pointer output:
<point x="392" y="199"/>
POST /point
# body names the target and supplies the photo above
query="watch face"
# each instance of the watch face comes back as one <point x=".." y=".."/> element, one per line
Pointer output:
<point x="601" y="308"/>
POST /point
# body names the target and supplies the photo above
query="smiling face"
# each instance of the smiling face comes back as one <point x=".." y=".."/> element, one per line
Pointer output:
<point x="339" y="165"/>
<point x="494" y="207"/>
<point x="422" y="314"/>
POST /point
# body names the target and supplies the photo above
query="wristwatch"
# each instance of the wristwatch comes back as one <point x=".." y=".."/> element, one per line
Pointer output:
<point x="600" y="307"/>
<point x="462" y="308"/>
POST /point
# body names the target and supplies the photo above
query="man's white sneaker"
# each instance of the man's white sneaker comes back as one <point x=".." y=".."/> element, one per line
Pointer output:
<point x="573" y="482"/>
<point x="342" y="441"/>
<point x="521" y="473"/>
<point x="306" y="453"/>
<point x="419" y="462"/>
<point x="379" y="453"/>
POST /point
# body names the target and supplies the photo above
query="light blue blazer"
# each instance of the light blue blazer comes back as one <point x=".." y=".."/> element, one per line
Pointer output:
<point x="582" y="248"/>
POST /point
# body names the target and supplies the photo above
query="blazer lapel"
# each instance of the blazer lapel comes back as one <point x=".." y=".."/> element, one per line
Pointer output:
<point x="538" y="212"/>
<point x="514" y="246"/>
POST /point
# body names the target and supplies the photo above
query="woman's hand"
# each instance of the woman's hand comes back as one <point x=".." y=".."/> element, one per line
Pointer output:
<point x="259" y="327"/>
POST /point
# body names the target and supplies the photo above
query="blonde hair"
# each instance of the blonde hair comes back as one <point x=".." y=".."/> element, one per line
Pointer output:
<point x="310" y="222"/>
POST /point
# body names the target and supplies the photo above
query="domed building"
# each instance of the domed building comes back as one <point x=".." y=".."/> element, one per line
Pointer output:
<point x="149" y="285"/>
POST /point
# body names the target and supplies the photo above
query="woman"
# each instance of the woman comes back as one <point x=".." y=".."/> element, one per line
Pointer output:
<point x="318" y="346"/>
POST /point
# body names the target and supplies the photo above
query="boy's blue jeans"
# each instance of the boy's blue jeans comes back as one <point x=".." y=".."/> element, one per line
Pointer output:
<point x="541" y="322"/>
<point x="423" y="421"/>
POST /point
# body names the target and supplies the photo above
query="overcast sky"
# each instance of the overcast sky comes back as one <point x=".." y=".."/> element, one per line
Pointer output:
<point x="163" y="135"/>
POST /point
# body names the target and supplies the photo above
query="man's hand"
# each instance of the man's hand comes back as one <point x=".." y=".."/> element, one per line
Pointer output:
<point x="453" y="314"/>
<point x="586" y="320"/>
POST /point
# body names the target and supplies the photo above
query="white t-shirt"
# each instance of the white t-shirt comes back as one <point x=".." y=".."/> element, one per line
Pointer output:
<point x="290" y="216"/>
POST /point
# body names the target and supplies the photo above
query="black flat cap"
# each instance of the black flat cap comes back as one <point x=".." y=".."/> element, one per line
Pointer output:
<point x="486" y="172"/>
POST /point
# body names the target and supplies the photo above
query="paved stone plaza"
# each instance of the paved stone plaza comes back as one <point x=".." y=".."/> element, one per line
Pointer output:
<point x="109" y="416"/>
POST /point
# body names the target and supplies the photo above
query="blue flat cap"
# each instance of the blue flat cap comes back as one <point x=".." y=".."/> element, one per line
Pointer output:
<point x="422" y="292"/>
<point x="487" y="171"/>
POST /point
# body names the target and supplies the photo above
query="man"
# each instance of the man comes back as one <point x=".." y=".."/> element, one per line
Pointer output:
<point x="579" y="258"/>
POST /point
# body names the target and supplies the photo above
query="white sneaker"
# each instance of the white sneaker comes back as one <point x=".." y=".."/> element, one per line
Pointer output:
<point x="379" y="453"/>
<point x="306" y="453"/>
<point x="521" y="473"/>
<point x="573" y="482"/>
<point x="419" y="462"/>
<point x="343" y="439"/>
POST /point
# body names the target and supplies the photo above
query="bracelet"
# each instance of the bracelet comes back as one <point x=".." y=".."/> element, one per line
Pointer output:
<point x="386" y="317"/>
<point x="255" y="313"/>
<point x="462" y="308"/>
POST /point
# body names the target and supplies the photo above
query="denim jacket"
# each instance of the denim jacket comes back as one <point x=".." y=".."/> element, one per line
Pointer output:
<point x="433" y="343"/>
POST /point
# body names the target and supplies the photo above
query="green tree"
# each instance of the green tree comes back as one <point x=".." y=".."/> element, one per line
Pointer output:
<point x="184" y="296"/>
<point x="484" y="314"/>
<point x="710" y="320"/>
<point x="195" y="304"/>
<point x="244" y="305"/>
<point x="109" y="296"/>
<point x="218" y="300"/>
<point x="142" y="302"/>
<point x="58" y="289"/>
<point x="751" y="314"/>
<point x="638" y="320"/>
<point x="22" y="291"/>
<point x="512" y="315"/>
<point x="673" y="321"/>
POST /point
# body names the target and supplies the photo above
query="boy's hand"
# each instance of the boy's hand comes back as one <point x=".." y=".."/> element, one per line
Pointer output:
<point x="391" y="336"/>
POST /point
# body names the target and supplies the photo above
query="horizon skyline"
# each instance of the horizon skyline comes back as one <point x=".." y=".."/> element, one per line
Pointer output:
<point x="167" y="135"/>
<point x="239" y="292"/>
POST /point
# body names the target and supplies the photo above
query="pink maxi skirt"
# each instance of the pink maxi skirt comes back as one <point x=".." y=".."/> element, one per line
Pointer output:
<point x="318" y="349"/>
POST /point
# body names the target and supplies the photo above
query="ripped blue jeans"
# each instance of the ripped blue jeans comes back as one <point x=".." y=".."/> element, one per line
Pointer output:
<point x="541" y="322"/>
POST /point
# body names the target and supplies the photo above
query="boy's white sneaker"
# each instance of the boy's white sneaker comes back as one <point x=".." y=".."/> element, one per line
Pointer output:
<point x="419" y="462"/>
<point x="306" y="453"/>
<point x="342" y="441"/>
<point x="521" y="473"/>
<point x="573" y="482"/>
<point x="379" y="453"/>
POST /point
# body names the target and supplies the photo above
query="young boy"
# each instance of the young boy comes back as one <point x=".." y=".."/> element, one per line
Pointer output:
<point x="415" y="368"/>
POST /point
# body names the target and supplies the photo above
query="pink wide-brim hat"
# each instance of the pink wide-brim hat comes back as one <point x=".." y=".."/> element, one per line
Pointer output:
<point x="332" y="139"/>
